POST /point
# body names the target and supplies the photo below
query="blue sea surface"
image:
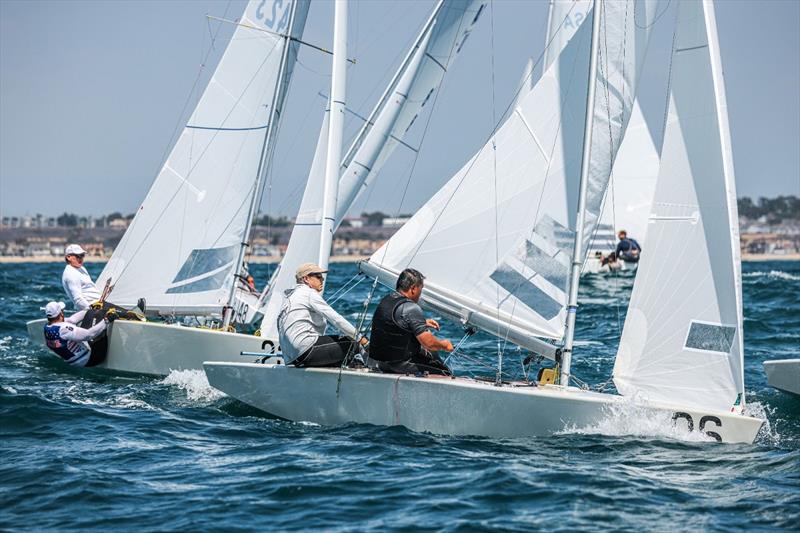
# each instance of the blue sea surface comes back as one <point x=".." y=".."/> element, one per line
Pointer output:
<point x="81" y="450"/>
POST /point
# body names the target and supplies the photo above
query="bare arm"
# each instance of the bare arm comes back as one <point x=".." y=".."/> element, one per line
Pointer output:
<point x="430" y="342"/>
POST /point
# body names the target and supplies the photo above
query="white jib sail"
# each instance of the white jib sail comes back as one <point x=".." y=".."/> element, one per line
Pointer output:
<point x="496" y="240"/>
<point x="181" y="248"/>
<point x="419" y="75"/>
<point x="682" y="341"/>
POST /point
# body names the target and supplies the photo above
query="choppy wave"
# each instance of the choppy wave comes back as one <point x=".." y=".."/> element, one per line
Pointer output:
<point x="82" y="450"/>
<point x="773" y="274"/>
<point x="631" y="420"/>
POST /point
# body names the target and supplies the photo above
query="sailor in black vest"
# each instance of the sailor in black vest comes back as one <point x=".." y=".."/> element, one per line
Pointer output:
<point x="401" y="342"/>
<point x="74" y="344"/>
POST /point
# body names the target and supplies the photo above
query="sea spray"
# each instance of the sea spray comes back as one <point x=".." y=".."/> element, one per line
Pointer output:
<point x="195" y="383"/>
<point x="632" y="419"/>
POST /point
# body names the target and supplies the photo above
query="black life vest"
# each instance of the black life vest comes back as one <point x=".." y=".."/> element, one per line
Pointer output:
<point x="388" y="341"/>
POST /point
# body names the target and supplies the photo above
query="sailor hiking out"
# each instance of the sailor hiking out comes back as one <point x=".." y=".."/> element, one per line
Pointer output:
<point x="77" y="346"/>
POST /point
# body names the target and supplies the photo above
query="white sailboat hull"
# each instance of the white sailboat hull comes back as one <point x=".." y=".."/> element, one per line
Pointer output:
<point x="442" y="405"/>
<point x="156" y="349"/>
<point x="784" y="374"/>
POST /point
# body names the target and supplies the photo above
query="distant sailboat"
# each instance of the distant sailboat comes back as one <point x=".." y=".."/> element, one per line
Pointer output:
<point x="503" y="253"/>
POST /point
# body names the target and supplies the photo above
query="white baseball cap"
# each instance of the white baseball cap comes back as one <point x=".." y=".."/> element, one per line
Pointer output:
<point x="74" y="249"/>
<point x="53" y="309"/>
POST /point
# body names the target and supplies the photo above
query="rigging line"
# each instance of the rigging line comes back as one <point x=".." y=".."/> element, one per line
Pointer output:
<point x="496" y="211"/>
<point x="655" y="19"/>
<point x="180" y="121"/>
<point x="523" y="84"/>
<point x="335" y="297"/>
<point x="422" y="140"/>
<point x="180" y="188"/>
<point x="467" y="334"/>
<point x="525" y="267"/>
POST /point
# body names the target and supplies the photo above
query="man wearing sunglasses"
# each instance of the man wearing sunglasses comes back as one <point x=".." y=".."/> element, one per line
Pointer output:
<point x="302" y="322"/>
<point x="76" y="280"/>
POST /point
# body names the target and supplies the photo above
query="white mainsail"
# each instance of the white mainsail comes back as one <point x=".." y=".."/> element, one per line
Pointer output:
<point x="419" y="75"/>
<point x="629" y="197"/>
<point x="182" y="248"/>
<point x="496" y="241"/>
<point x="682" y="341"/>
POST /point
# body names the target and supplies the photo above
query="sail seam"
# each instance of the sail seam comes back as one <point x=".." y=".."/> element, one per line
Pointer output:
<point x="189" y="127"/>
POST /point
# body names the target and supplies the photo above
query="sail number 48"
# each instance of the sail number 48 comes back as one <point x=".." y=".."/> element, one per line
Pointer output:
<point x="703" y="421"/>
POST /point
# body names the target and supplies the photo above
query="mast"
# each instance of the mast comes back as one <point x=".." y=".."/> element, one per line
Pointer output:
<point x="721" y="108"/>
<point x="263" y="165"/>
<point x="333" y="157"/>
<point x="575" y="273"/>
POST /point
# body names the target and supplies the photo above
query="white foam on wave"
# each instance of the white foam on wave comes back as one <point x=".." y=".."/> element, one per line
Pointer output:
<point x="195" y="383"/>
<point x="628" y="419"/>
<point x="767" y="434"/>
<point x="773" y="274"/>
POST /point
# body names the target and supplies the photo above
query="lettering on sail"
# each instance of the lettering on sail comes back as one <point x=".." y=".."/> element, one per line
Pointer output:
<point x="275" y="18"/>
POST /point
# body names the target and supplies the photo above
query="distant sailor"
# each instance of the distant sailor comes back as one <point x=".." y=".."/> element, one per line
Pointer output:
<point x="302" y="321"/>
<point x="401" y="340"/>
<point x="76" y="280"/>
<point x="75" y="345"/>
<point x="628" y="249"/>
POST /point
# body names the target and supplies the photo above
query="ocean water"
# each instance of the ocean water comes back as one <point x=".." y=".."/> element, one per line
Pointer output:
<point x="80" y="450"/>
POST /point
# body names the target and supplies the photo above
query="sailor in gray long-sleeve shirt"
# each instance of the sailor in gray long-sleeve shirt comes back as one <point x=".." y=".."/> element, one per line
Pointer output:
<point x="302" y="322"/>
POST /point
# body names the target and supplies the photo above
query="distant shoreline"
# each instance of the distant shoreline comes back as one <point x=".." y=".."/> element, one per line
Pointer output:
<point x="269" y="260"/>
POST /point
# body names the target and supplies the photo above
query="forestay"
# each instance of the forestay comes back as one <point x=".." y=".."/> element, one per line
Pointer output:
<point x="495" y="242"/>
<point x="181" y="249"/>
<point x="682" y="340"/>
<point x="419" y="75"/>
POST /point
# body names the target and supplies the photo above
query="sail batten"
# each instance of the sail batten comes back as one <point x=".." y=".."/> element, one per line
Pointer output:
<point x="196" y="209"/>
<point x="501" y="231"/>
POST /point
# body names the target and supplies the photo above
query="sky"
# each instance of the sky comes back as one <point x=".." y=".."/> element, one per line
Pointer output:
<point x="93" y="92"/>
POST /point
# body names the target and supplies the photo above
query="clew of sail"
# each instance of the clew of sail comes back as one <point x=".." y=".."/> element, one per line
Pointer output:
<point x="419" y="75"/>
<point x="496" y="241"/>
<point x="182" y="247"/>
<point x="682" y="339"/>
